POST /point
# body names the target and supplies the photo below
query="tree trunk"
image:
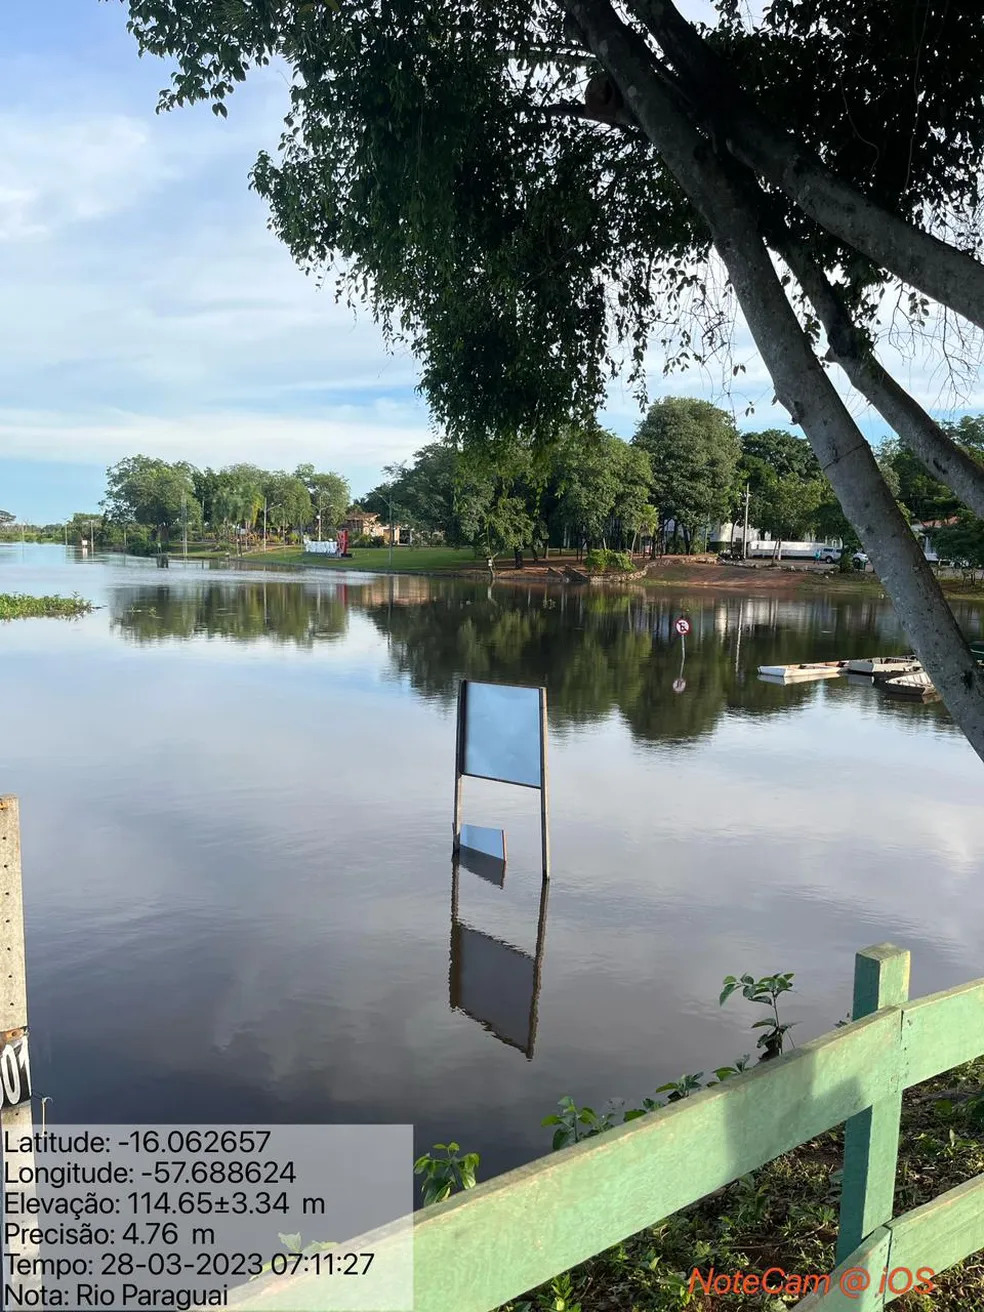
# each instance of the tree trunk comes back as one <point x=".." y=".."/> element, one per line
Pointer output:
<point x="726" y="200"/>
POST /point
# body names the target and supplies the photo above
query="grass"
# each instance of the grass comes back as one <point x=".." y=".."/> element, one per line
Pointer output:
<point x="406" y="560"/>
<point x="17" y="606"/>
<point x="785" y="1215"/>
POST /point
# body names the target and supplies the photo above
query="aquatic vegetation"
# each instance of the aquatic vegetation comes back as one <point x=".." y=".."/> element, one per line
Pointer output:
<point x="19" y="606"/>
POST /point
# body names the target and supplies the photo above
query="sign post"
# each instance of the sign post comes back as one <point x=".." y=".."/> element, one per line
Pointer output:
<point x="16" y="1119"/>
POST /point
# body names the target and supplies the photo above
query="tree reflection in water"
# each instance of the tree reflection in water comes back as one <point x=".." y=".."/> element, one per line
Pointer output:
<point x="597" y="653"/>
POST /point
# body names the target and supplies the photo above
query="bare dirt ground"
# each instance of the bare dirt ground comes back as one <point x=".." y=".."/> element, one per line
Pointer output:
<point x="690" y="573"/>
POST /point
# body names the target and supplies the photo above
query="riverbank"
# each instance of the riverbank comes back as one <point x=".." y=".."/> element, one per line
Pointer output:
<point x="16" y="606"/>
<point x="801" y="580"/>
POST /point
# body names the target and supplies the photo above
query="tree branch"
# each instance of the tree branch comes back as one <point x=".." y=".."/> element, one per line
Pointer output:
<point x="888" y="240"/>
<point x="939" y="454"/>
<point x="618" y="118"/>
<point x="801" y="383"/>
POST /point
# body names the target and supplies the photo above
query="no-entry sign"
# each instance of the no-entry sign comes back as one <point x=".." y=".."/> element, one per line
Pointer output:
<point x="682" y="627"/>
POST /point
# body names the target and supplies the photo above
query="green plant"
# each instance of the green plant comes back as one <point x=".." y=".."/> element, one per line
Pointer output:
<point x="562" y="1293"/>
<point x="601" y="561"/>
<point x="765" y="991"/>
<point x="576" y="1123"/>
<point x="729" y="1072"/>
<point x="443" y="1176"/>
<point x="16" y="606"/>
<point x="683" y="1087"/>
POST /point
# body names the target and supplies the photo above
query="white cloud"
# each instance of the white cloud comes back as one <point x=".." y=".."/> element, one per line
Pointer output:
<point x="59" y="170"/>
<point x="147" y="303"/>
<point x="372" y="434"/>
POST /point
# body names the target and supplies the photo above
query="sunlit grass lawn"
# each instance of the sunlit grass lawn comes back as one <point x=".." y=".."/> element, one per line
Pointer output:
<point x="406" y="560"/>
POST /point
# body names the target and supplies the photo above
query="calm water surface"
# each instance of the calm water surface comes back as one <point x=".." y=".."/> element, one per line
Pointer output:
<point x="236" y="809"/>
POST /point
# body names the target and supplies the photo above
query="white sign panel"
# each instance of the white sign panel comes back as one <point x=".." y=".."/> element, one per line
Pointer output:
<point x="503" y="731"/>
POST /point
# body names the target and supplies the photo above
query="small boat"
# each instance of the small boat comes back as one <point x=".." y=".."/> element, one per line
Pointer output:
<point x="917" y="685"/>
<point x="885" y="667"/>
<point x="795" y="673"/>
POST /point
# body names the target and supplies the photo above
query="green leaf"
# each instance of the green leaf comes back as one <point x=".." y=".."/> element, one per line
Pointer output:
<point x="291" y="1242"/>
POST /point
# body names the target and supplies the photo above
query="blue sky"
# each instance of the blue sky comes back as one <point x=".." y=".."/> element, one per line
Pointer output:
<point x="148" y="308"/>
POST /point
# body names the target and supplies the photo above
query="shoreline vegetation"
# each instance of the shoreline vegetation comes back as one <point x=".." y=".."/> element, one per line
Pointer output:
<point x="779" y="1221"/>
<point x="783" y="1218"/>
<point x="792" y="580"/>
<point x="18" y="606"/>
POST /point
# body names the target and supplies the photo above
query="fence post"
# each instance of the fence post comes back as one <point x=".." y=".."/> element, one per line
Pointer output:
<point x="871" y="1139"/>
<point x="15" y="1122"/>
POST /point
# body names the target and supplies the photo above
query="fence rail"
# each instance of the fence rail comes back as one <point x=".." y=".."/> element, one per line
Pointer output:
<point x="503" y="1238"/>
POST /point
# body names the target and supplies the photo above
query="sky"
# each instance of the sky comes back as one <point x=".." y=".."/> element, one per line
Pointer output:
<point x="149" y="309"/>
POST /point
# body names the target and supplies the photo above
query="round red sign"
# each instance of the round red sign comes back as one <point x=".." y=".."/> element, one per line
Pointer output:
<point x="682" y="626"/>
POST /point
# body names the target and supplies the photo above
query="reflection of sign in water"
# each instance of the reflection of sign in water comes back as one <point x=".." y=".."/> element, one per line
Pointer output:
<point x="494" y="982"/>
<point x="679" y="685"/>
<point x="502" y="736"/>
<point x="495" y="985"/>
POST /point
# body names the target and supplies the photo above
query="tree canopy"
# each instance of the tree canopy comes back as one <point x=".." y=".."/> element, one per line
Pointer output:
<point x="531" y="194"/>
<point x="148" y="491"/>
<point x="693" y="448"/>
<point x="161" y="496"/>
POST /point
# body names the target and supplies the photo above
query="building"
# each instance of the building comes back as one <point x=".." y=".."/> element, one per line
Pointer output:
<point x="364" y="524"/>
<point x="924" y="530"/>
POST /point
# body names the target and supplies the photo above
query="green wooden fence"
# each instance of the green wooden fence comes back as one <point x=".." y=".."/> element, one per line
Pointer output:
<point x="493" y="1243"/>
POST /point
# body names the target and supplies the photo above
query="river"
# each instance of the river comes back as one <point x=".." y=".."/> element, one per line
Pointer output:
<point x="236" y="804"/>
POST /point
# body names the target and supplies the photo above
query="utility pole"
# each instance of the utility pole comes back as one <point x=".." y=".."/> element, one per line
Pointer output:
<point x="184" y="517"/>
<point x="264" y="523"/>
<point x="321" y="508"/>
<point x="391" y="529"/>
<point x="744" y="536"/>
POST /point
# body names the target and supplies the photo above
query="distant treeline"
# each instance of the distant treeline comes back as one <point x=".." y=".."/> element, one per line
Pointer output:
<point x="683" y="474"/>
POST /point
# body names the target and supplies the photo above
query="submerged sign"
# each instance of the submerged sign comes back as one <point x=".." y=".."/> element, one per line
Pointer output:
<point x="502" y="736"/>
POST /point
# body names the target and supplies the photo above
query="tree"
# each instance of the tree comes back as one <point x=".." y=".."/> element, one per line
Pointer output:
<point x="633" y="490"/>
<point x="206" y="483"/>
<point x="330" y="495"/>
<point x="241" y="494"/>
<point x="962" y="541"/>
<point x="426" y="492"/>
<point x="693" y="449"/>
<point x="6" y="518"/>
<point x="522" y="193"/>
<point x="151" y="492"/>
<point x="786" y="486"/>
<point x="585" y="484"/>
<point x="288" y="502"/>
<point x="784" y="453"/>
